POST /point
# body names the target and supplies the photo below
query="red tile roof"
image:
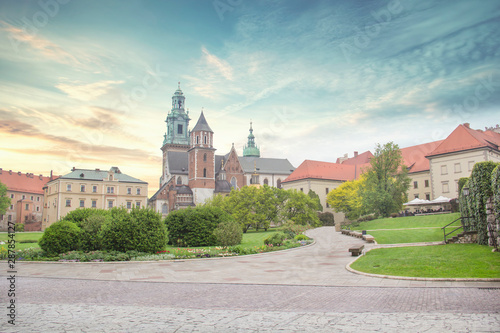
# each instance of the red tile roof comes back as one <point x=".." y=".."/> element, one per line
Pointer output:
<point x="465" y="138"/>
<point x="22" y="182"/>
<point x="414" y="156"/>
<point x="363" y="158"/>
<point x="323" y="170"/>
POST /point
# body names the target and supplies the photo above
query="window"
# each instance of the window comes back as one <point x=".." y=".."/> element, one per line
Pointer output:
<point x="416" y="196"/>
<point x="111" y="189"/>
<point x="82" y="203"/>
<point x="427" y="196"/>
<point x="129" y="205"/>
<point x="129" y="190"/>
<point x="9" y="217"/>
<point x="138" y="191"/>
<point x="444" y="170"/>
<point x="204" y="172"/>
<point x="446" y="187"/>
<point x="31" y="198"/>
<point x="204" y="157"/>
<point x="458" y="168"/>
<point x="12" y="196"/>
<point x="179" y="129"/>
<point x="27" y="207"/>
<point x="327" y="190"/>
<point x="138" y="204"/>
<point x="37" y="198"/>
<point x="197" y="139"/>
<point x="110" y="177"/>
<point x="278" y="183"/>
<point x="301" y="189"/>
<point x="82" y="188"/>
<point x="94" y="203"/>
<point x="23" y="197"/>
<point x="37" y="208"/>
<point x="426" y="183"/>
<point x="415" y="184"/>
<point x="327" y="205"/>
<point x="266" y="181"/>
<point x="11" y="207"/>
<point x="94" y="188"/>
<point x="471" y="165"/>
<point x="110" y="203"/>
<point x="205" y="139"/>
<point x="68" y="187"/>
<point x="234" y="184"/>
<point x="68" y="202"/>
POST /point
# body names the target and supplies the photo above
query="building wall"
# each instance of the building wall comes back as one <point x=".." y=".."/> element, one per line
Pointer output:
<point x="322" y="187"/>
<point x="60" y="199"/>
<point x="447" y="169"/>
<point x="17" y="211"/>
<point x="420" y="186"/>
<point x="272" y="179"/>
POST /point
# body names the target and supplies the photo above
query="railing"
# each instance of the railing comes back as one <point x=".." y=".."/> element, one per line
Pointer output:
<point x="460" y="227"/>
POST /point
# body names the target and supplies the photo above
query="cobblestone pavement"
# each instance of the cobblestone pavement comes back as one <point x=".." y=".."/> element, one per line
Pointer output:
<point x="247" y="294"/>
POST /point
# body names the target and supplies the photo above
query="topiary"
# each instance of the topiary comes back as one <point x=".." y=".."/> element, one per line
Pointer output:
<point x="275" y="239"/>
<point x="60" y="237"/>
<point x="228" y="233"/>
<point x="141" y="230"/>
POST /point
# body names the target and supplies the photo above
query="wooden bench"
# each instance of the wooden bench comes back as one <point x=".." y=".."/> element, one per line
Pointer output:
<point x="357" y="234"/>
<point x="369" y="238"/>
<point x="356" y="250"/>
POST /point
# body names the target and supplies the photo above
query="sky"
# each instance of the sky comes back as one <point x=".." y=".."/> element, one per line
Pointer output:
<point x="88" y="84"/>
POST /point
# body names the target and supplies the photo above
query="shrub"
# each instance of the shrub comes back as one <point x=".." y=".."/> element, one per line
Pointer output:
<point x="495" y="187"/>
<point x="291" y="229"/>
<point x="367" y="218"/>
<point x="79" y="215"/>
<point x="141" y="230"/>
<point x="327" y="219"/>
<point x="60" y="237"/>
<point x="19" y="227"/>
<point x="228" y="233"/>
<point x="275" y="239"/>
<point x="91" y="237"/>
<point x="195" y="226"/>
<point x="301" y="237"/>
<point x="393" y="215"/>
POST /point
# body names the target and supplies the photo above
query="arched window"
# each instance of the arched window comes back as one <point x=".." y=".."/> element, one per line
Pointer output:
<point x="179" y="181"/>
<point x="234" y="184"/>
<point x="204" y="172"/>
<point x="278" y="183"/>
<point x="204" y="157"/>
<point x="266" y="181"/>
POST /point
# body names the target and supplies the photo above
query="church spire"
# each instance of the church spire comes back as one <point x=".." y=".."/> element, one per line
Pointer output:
<point x="251" y="148"/>
<point x="177" y="120"/>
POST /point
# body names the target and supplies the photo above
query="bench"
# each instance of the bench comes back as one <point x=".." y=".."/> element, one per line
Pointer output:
<point x="345" y="231"/>
<point x="356" y="250"/>
<point x="369" y="238"/>
<point x="357" y="234"/>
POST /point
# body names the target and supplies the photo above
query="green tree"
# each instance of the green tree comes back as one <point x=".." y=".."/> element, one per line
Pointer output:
<point x="4" y="200"/>
<point x="386" y="181"/>
<point x="246" y="207"/>
<point x="347" y="199"/>
<point x="300" y="209"/>
<point x="315" y="197"/>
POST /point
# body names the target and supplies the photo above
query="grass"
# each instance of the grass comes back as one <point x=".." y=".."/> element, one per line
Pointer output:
<point x="21" y="236"/>
<point x="439" y="261"/>
<point x="425" y="221"/>
<point x="411" y="235"/>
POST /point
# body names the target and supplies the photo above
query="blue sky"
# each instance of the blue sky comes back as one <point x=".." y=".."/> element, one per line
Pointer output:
<point x="89" y="83"/>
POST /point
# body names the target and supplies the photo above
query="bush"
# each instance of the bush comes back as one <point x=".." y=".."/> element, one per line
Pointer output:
<point x="79" y="215"/>
<point x="19" y="227"/>
<point x="195" y="226"/>
<point x="301" y="237"/>
<point x="394" y="215"/>
<point x="60" y="237"/>
<point x="91" y="237"/>
<point x="275" y="239"/>
<point x="327" y="219"/>
<point x="228" y="233"/>
<point x="140" y="230"/>
<point x="367" y="218"/>
<point x="291" y="229"/>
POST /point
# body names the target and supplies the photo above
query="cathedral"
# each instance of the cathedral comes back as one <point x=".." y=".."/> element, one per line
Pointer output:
<point x="193" y="173"/>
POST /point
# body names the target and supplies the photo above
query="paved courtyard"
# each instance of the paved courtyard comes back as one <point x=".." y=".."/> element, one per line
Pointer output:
<point x="305" y="289"/>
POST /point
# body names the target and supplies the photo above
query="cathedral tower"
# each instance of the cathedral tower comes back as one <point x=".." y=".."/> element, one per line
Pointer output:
<point x="251" y="148"/>
<point x="202" y="161"/>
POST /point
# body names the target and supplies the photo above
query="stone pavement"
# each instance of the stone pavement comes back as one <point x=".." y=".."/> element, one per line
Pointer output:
<point x="306" y="289"/>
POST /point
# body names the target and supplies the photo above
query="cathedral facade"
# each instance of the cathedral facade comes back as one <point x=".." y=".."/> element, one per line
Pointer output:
<point x="191" y="170"/>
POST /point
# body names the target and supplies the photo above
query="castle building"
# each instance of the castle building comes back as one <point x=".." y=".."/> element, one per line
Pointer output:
<point x="191" y="170"/>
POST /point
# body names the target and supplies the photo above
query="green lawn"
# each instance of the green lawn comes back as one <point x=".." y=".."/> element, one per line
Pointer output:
<point x="440" y="261"/>
<point x="21" y="236"/>
<point x="438" y="220"/>
<point x="411" y="235"/>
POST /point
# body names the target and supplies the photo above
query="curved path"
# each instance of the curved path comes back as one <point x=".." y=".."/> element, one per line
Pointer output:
<point x="305" y="289"/>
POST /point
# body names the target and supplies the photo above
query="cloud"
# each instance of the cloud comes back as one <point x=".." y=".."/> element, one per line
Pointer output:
<point x="220" y="65"/>
<point x="87" y="92"/>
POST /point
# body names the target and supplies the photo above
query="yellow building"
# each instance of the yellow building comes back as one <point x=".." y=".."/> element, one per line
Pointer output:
<point x="83" y="188"/>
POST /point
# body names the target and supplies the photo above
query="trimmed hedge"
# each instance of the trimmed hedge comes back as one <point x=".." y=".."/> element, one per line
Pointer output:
<point x="60" y="237"/>
<point x="195" y="226"/>
<point x="495" y="188"/>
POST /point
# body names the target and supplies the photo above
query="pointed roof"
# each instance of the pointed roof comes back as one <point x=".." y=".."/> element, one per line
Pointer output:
<point x="251" y="148"/>
<point x="466" y="138"/>
<point x="324" y="170"/>
<point x="415" y="156"/>
<point x="202" y="124"/>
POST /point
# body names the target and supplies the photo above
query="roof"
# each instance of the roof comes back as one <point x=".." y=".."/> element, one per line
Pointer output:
<point x="100" y="175"/>
<point x="415" y="156"/>
<point x="466" y="138"/>
<point x="178" y="162"/>
<point x="324" y="170"/>
<point x="363" y="158"/>
<point x="266" y="165"/>
<point x="202" y="125"/>
<point x="184" y="189"/>
<point x="222" y="186"/>
<point x="23" y="182"/>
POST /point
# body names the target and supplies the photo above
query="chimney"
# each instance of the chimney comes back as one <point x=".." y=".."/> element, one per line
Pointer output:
<point x="0" y="171"/>
<point x="467" y="125"/>
<point x="355" y="154"/>
<point x="50" y="174"/>
<point x="73" y="169"/>
<point x="10" y="172"/>
<point x="41" y="177"/>
<point x="19" y="173"/>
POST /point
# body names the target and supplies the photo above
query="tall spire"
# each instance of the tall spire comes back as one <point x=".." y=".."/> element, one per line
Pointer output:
<point x="251" y="148"/>
<point x="177" y="120"/>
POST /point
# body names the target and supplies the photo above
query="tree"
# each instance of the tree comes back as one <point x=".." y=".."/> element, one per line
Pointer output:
<point x="300" y="209"/>
<point x="4" y="200"/>
<point x="347" y="199"/>
<point x="386" y="181"/>
<point x="315" y="197"/>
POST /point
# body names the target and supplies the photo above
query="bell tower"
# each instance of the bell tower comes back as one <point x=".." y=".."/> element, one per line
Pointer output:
<point x="201" y="157"/>
<point x="251" y="148"/>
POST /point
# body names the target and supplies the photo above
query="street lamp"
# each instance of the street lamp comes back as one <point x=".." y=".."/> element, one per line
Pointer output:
<point x="465" y="191"/>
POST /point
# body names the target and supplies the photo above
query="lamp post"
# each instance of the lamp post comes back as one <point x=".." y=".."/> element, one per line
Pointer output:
<point x="465" y="191"/>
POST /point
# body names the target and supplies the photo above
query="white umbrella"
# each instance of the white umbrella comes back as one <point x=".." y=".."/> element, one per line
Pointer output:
<point x="441" y="199"/>
<point x="417" y="202"/>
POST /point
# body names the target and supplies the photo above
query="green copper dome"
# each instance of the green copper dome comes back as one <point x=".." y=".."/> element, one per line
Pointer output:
<point x="251" y="149"/>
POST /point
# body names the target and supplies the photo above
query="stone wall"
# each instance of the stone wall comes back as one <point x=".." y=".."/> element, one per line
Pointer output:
<point x="469" y="237"/>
